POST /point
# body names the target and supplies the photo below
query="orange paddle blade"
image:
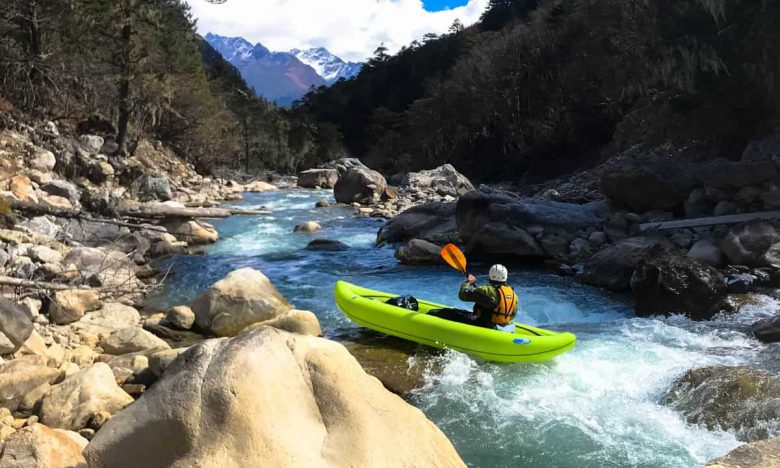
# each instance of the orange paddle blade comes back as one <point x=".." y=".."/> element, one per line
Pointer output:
<point x="454" y="257"/>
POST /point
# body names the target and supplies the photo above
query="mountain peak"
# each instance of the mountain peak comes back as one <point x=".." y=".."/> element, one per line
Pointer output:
<point x="282" y="76"/>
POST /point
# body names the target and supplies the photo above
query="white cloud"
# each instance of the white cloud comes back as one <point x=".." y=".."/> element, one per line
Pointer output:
<point x="351" y="29"/>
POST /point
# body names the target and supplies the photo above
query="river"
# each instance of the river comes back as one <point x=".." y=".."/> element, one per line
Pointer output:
<point x="596" y="406"/>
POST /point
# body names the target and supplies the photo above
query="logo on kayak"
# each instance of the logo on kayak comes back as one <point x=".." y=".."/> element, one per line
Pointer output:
<point x="521" y="341"/>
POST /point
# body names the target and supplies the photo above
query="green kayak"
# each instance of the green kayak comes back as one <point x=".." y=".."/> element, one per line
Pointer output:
<point x="525" y="344"/>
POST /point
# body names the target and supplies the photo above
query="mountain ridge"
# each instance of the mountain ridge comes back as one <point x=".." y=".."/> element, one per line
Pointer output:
<point x="282" y="77"/>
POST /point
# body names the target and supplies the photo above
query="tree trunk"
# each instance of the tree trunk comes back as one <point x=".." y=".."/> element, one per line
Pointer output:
<point x="125" y="105"/>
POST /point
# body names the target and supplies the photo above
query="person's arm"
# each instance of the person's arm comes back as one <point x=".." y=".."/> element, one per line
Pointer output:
<point x="470" y="292"/>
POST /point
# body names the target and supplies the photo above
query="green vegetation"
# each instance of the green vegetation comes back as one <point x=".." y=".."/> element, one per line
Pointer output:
<point x="539" y="87"/>
<point x="139" y="65"/>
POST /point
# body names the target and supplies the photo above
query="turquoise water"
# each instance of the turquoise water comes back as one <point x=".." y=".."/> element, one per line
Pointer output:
<point x="596" y="406"/>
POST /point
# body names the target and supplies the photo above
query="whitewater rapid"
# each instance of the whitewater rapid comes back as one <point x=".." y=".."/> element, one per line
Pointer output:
<point x="597" y="406"/>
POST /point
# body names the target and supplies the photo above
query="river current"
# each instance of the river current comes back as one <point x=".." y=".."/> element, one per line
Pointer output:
<point x="599" y="405"/>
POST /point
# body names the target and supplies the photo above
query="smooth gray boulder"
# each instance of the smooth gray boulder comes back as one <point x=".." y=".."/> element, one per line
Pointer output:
<point x="433" y="222"/>
<point x="419" y="252"/>
<point x="613" y="267"/>
<point x="323" y="178"/>
<point x="492" y="223"/>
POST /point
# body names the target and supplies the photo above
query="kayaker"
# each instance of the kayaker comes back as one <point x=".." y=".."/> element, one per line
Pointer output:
<point x="495" y="304"/>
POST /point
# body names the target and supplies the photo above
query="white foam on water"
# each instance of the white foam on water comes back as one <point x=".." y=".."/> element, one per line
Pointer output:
<point x="602" y="400"/>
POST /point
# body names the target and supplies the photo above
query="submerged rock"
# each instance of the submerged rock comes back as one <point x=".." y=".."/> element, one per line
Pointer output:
<point x="740" y="399"/>
<point x="222" y="401"/>
<point x="327" y="245"/>
<point x="433" y="222"/>
<point x="308" y="226"/>
<point x="667" y="282"/>
<point x="419" y="252"/>
<point x="393" y="367"/>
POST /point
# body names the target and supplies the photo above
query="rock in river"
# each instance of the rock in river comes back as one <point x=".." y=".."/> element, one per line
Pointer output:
<point x="323" y="178"/>
<point x="360" y="185"/>
<point x="666" y="282"/>
<point x="493" y="223"/>
<point x="242" y="298"/>
<point x="612" y="267"/>
<point x="269" y="398"/>
<point x="419" y="252"/>
<point x="740" y="399"/>
<point x="433" y="222"/>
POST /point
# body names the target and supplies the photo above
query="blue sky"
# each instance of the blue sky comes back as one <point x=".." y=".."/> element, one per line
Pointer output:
<point x="351" y="29"/>
<point x="437" y="5"/>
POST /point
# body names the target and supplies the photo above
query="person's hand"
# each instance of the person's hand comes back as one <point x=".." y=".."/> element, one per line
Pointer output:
<point x="472" y="279"/>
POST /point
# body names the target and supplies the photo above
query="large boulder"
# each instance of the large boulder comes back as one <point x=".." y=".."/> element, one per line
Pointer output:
<point x="16" y="326"/>
<point x="751" y="244"/>
<point x="444" y="180"/>
<point x="493" y="223"/>
<point x="758" y="454"/>
<point x="83" y="397"/>
<point x="131" y="340"/>
<point x="242" y="298"/>
<point x="741" y="399"/>
<point x="722" y="173"/>
<point x="154" y="188"/>
<point x="43" y="160"/>
<point x="344" y="164"/>
<point x="64" y="189"/>
<point x="661" y="183"/>
<point x="667" y="282"/>
<point x="103" y="266"/>
<point x="38" y="446"/>
<point x="70" y="305"/>
<point x="767" y="330"/>
<point x="23" y="382"/>
<point x="252" y="400"/>
<point x="613" y="266"/>
<point x="707" y="251"/>
<point x="323" y="178"/>
<point x="192" y="231"/>
<point x="433" y="222"/>
<point x="361" y="185"/>
<point x="419" y="252"/>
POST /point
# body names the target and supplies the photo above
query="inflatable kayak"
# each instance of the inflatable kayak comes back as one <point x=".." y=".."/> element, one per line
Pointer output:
<point x="525" y="344"/>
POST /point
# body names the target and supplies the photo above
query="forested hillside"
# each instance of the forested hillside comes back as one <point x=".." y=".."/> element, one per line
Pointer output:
<point x="133" y="69"/>
<point x="543" y="87"/>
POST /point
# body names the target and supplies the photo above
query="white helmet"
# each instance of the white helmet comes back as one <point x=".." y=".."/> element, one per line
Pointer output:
<point x="498" y="273"/>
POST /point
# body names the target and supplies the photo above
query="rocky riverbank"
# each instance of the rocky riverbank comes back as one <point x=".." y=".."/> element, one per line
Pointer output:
<point x="82" y="232"/>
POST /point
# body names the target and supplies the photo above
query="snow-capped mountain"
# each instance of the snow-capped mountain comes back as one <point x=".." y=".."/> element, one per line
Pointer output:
<point x="282" y="77"/>
<point x="330" y="67"/>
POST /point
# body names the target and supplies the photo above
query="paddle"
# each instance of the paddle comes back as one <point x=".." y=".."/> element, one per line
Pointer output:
<point x="454" y="257"/>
